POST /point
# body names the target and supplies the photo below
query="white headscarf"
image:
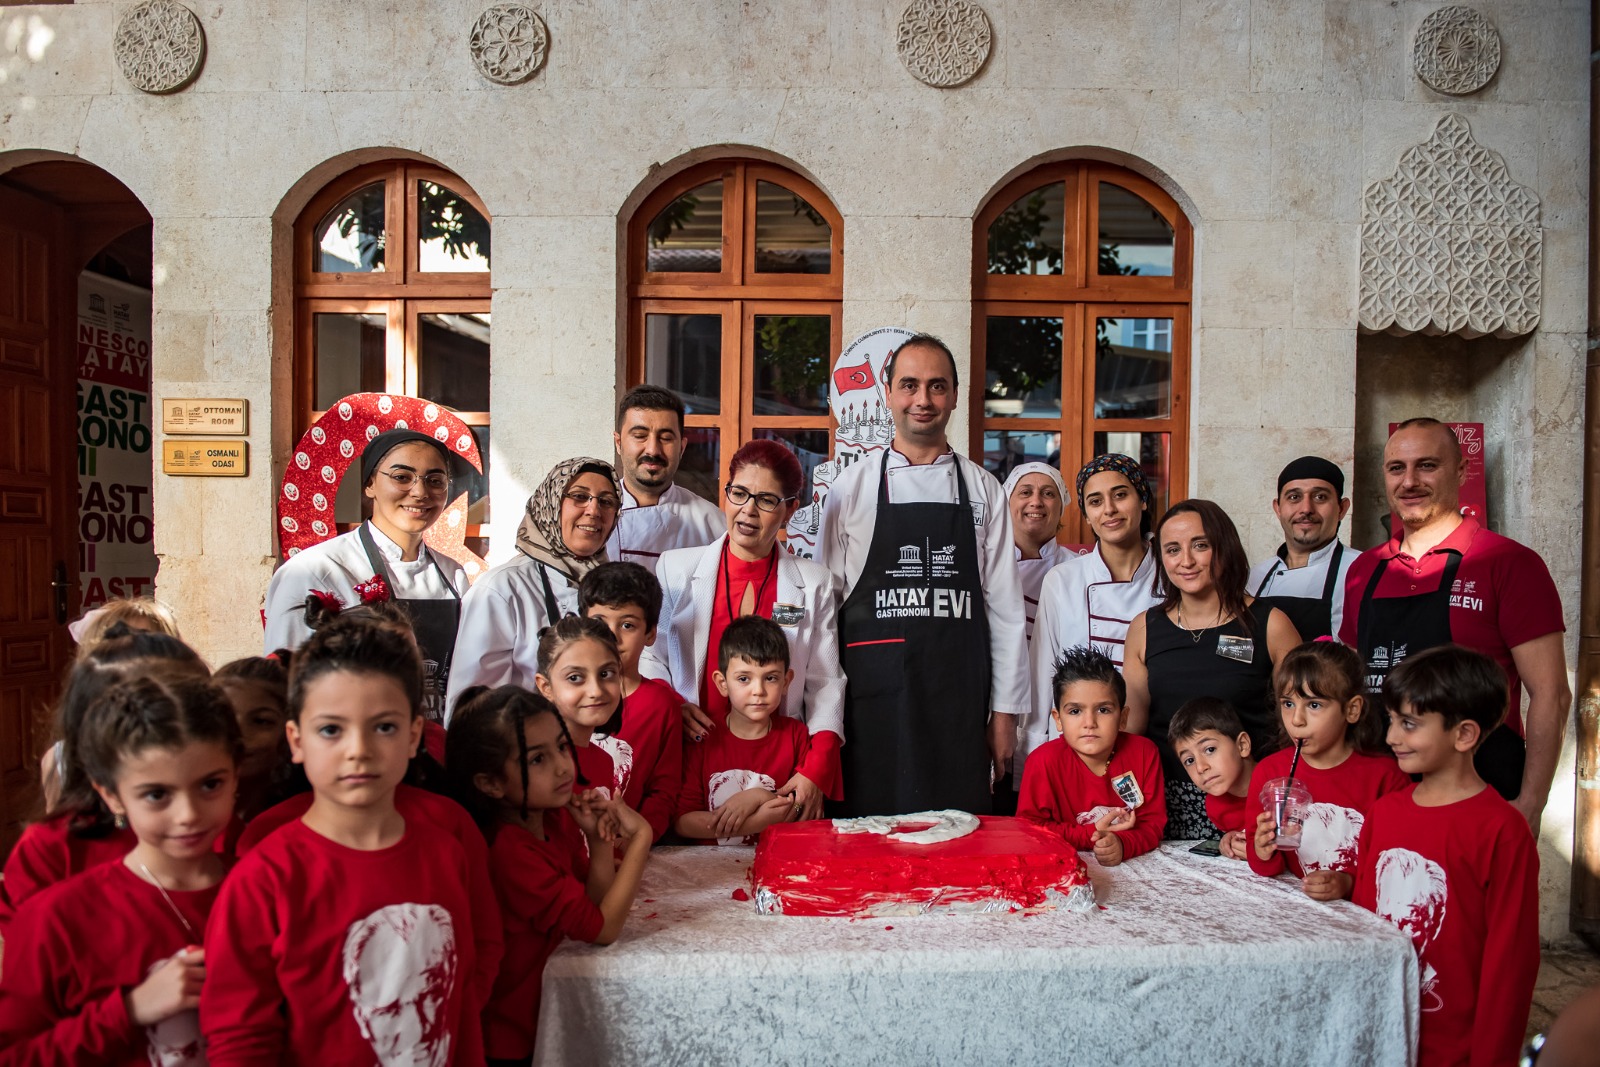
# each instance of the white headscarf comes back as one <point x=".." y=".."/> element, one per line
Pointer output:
<point x="1018" y="473"/>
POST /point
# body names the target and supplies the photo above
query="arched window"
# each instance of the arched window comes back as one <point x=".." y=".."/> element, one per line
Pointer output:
<point x="735" y="277"/>
<point x="392" y="295"/>
<point x="1081" y="292"/>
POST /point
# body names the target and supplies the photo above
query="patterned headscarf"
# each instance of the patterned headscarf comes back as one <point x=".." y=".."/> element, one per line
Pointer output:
<point x="539" y="536"/>
<point x="1126" y="466"/>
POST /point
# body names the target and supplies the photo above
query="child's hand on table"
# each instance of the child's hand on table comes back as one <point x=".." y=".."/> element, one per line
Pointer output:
<point x="778" y="809"/>
<point x="1107" y="845"/>
<point x="1234" y="845"/>
<point x="1328" y="885"/>
<point x="1266" y="835"/>
<point x="727" y="819"/>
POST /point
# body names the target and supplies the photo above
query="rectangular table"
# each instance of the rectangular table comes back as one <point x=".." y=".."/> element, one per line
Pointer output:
<point x="1186" y="960"/>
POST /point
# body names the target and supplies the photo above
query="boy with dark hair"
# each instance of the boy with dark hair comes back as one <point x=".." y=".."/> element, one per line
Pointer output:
<point x="1214" y="748"/>
<point x="1097" y="787"/>
<point x="1452" y="863"/>
<point x="644" y="738"/>
<point x="731" y="779"/>
<point x="657" y="513"/>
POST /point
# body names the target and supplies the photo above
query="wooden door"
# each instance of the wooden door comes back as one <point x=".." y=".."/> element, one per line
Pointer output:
<point x="38" y="490"/>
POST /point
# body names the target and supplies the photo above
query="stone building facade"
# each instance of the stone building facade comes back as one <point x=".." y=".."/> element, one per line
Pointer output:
<point x="1268" y="123"/>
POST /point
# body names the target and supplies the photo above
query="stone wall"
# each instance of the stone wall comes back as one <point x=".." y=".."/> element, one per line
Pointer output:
<point x="1266" y="119"/>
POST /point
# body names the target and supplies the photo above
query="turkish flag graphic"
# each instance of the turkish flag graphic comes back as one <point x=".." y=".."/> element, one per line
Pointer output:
<point x="850" y="378"/>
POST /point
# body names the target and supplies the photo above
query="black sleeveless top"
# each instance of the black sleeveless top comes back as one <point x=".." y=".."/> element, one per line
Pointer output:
<point x="1181" y="668"/>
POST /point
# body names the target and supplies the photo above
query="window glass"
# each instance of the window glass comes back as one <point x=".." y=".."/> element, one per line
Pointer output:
<point x="477" y="484"/>
<point x="1026" y="238"/>
<point x="1154" y="453"/>
<point x="700" y="471"/>
<point x="1134" y="238"/>
<point x="684" y="354"/>
<point x="686" y="236"/>
<point x="791" y="364"/>
<point x="350" y="355"/>
<point x="1022" y="365"/>
<point x="1004" y="450"/>
<point x="452" y="235"/>
<point x="809" y="446"/>
<point x="351" y="236"/>
<point x="792" y="237"/>
<point x="453" y="359"/>
<point x="1132" y="368"/>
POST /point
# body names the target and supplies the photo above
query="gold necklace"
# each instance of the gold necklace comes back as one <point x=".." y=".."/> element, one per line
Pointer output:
<point x="1195" y="634"/>
<point x="153" y="880"/>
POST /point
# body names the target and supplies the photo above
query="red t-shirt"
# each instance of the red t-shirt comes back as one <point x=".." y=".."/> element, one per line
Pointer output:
<point x="1340" y="799"/>
<point x="762" y="574"/>
<point x="1503" y="594"/>
<point x="723" y="765"/>
<point x="648" y="749"/>
<point x="597" y="769"/>
<point x="318" y="953"/>
<point x="1059" y="792"/>
<point x="1463" y="880"/>
<point x="1227" y="812"/>
<point x="543" y="898"/>
<point x="75" y="949"/>
<point x="48" y="853"/>
<point x="441" y="813"/>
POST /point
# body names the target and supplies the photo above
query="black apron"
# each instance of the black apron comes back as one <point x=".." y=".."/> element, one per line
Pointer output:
<point x="1313" y="618"/>
<point x="1389" y="629"/>
<point x="434" y="622"/>
<point x="914" y="637"/>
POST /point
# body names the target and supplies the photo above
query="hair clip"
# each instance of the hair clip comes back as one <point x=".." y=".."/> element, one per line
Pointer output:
<point x="330" y="602"/>
<point x="1326" y="637"/>
<point x="373" y="590"/>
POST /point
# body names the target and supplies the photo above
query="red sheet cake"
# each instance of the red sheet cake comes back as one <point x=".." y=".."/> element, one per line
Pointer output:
<point x="1006" y="864"/>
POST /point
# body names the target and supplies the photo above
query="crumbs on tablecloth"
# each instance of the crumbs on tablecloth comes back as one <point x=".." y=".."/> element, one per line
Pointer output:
<point x="652" y="915"/>
<point x="888" y="928"/>
<point x="740" y="894"/>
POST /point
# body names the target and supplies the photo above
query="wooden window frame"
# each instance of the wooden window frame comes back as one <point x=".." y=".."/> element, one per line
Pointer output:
<point x="401" y="294"/>
<point x="737" y="293"/>
<point x="1078" y="296"/>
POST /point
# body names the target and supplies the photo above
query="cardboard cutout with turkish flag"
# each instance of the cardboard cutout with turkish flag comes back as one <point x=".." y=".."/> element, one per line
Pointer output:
<point x="333" y="445"/>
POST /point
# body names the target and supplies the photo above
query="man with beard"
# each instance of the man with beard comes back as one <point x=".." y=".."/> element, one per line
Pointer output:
<point x="657" y="514"/>
<point x="1443" y="578"/>
<point x="931" y="626"/>
<point x="1306" y="576"/>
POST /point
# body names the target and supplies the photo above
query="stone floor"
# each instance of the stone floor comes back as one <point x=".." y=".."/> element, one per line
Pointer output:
<point x="1562" y="976"/>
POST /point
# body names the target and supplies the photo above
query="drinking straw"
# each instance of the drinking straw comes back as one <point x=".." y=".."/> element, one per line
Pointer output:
<point x="1294" y="765"/>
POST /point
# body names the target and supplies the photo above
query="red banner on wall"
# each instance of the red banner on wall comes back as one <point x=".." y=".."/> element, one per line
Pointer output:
<point x="1475" y="487"/>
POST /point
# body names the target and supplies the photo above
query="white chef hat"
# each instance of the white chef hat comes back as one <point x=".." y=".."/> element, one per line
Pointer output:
<point x="1020" y="472"/>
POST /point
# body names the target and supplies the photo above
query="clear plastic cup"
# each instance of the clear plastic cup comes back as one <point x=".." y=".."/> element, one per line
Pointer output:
<point x="1290" y="802"/>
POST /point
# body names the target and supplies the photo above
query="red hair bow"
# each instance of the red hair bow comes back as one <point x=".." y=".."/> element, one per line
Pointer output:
<point x="373" y="590"/>
<point x="330" y="603"/>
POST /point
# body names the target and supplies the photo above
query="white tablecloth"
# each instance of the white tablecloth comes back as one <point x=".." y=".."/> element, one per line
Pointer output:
<point x="1188" y="960"/>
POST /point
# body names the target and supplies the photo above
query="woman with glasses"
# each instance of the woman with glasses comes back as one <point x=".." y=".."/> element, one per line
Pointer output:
<point x="562" y="538"/>
<point x="408" y="477"/>
<point x="746" y="572"/>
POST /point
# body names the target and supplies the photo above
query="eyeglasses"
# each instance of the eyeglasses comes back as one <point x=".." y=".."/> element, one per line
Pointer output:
<point x="606" y="501"/>
<point x="433" y="483"/>
<point x="739" y="496"/>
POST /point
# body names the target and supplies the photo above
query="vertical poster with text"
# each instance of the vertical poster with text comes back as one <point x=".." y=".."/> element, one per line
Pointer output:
<point x="115" y="529"/>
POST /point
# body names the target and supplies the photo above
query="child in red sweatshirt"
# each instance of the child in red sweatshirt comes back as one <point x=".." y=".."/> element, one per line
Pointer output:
<point x="551" y="848"/>
<point x="348" y="935"/>
<point x="645" y="737"/>
<point x="1320" y="687"/>
<point x="1214" y="749"/>
<point x="1098" y="787"/>
<point x="1453" y="864"/>
<point x="105" y="968"/>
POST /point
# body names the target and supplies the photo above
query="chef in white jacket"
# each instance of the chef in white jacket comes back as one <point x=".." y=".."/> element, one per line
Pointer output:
<point x="408" y="476"/>
<point x="1091" y="599"/>
<point x="746" y="571"/>
<point x="562" y="538"/>
<point x="931" y="628"/>
<point x="1036" y="496"/>
<point x="657" y="515"/>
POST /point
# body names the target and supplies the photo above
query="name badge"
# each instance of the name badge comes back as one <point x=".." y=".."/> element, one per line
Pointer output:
<point x="1127" y="787"/>
<point x="788" y="614"/>
<point x="1238" y="649"/>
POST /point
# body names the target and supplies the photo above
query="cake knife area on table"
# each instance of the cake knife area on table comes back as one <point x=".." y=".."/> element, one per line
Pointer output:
<point x="1188" y="959"/>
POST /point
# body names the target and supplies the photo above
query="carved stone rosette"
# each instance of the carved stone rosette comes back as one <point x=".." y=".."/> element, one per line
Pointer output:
<point x="943" y="42"/>
<point x="159" y="46"/>
<point x="1456" y="51"/>
<point x="508" y="43"/>
<point x="1450" y="243"/>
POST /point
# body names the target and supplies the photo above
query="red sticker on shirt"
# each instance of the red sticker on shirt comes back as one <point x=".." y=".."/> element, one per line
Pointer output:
<point x="331" y="447"/>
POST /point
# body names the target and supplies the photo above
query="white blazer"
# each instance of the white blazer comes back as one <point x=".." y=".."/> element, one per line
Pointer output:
<point x="688" y="579"/>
